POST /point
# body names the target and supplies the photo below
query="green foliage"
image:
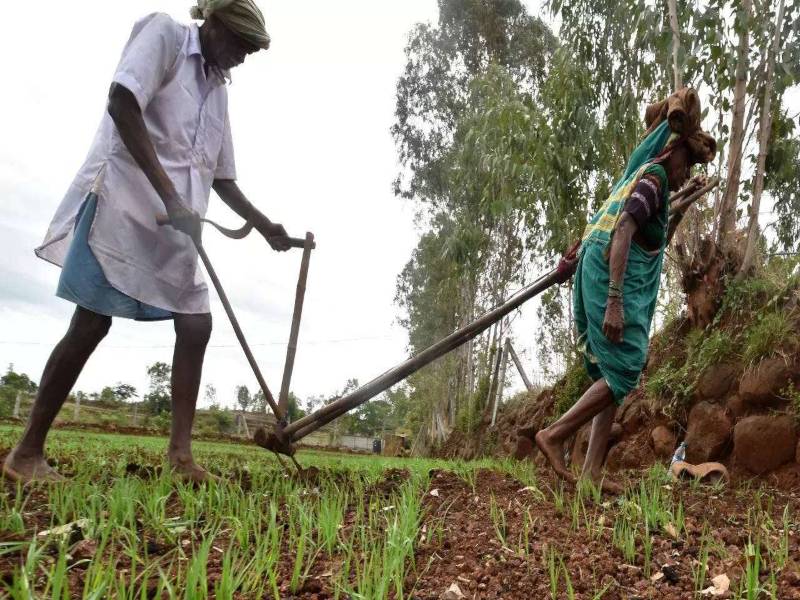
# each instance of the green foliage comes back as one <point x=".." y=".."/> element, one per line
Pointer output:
<point x="158" y="398"/>
<point x="677" y="379"/>
<point x="769" y="287"/>
<point x="706" y="350"/>
<point x="18" y="382"/>
<point x="11" y="384"/>
<point x="470" y="413"/>
<point x="292" y="407"/>
<point x="567" y="392"/>
<point x="671" y="381"/>
<point x="124" y="392"/>
<point x="243" y="398"/>
<point x="222" y="420"/>
<point x="783" y="166"/>
<point x="770" y="334"/>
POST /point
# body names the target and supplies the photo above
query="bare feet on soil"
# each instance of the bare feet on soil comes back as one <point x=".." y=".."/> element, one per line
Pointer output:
<point x="183" y="466"/>
<point x="27" y="469"/>
<point x="605" y="484"/>
<point x="554" y="453"/>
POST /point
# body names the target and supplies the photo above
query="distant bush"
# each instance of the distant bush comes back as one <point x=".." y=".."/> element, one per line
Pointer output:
<point x="161" y="422"/>
<point x="222" y="420"/>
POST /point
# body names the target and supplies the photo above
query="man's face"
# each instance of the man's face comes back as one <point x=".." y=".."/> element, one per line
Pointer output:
<point x="223" y="48"/>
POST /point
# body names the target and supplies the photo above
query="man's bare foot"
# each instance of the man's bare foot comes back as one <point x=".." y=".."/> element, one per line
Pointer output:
<point x="27" y="469"/>
<point x="183" y="466"/>
<point x="554" y="453"/>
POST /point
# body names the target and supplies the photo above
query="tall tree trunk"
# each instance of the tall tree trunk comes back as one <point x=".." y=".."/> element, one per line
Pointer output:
<point x="726" y="239"/>
<point x="763" y="142"/>
<point x="676" y="43"/>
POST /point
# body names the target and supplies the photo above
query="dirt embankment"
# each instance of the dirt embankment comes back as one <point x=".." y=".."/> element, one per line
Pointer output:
<point x="731" y="391"/>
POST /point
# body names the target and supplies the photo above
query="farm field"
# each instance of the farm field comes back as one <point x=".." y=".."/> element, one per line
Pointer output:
<point x="371" y="527"/>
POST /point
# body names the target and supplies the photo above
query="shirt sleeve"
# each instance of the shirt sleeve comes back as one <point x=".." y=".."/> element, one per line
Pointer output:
<point x="645" y="201"/>
<point x="226" y="166"/>
<point x="148" y="56"/>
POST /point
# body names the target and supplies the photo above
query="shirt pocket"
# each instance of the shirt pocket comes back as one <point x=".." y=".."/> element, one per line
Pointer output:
<point x="209" y="140"/>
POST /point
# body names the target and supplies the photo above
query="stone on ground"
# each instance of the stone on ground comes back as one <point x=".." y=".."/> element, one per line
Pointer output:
<point x="716" y="381"/>
<point x="664" y="441"/>
<point x="709" y="433"/>
<point x="762" y="443"/>
<point x="761" y="385"/>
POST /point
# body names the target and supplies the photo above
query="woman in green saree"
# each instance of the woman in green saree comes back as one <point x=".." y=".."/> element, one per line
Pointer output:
<point x="618" y="271"/>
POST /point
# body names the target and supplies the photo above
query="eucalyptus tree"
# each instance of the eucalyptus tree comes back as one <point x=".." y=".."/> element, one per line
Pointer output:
<point x="722" y="50"/>
<point x="436" y="99"/>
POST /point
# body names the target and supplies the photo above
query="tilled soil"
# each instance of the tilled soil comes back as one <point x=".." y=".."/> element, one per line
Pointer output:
<point x="468" y="552"/>
<point x="474" y="542"/>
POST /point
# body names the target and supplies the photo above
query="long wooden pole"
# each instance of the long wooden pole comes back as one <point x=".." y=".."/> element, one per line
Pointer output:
<point x="291" y="350"/>
<point x="326" y="414"/>
<point x="515" y="358"/>
<point x="501" y="380"/>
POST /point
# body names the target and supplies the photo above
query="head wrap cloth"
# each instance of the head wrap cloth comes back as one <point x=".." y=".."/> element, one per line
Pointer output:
<point x="242" y="17"/>
<point x="683" y="113"/>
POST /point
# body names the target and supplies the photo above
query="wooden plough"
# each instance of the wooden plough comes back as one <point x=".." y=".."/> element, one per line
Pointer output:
<point x="284" y="435"/>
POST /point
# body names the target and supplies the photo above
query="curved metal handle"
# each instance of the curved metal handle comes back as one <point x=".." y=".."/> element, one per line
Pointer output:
<point x="235" y="234"/>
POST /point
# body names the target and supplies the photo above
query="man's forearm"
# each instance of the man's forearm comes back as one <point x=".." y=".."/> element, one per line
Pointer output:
<point x="229" y="191"/>
<point x="127" y="116"/>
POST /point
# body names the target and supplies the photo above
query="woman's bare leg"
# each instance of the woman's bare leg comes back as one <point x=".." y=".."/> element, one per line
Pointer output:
<point x="596" y="452"/>
<point x="551" y="440"/>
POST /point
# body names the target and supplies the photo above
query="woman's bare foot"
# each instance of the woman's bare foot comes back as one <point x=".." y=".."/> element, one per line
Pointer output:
<point x="27" y="469"/>
<point x="605" y="484"/>
<point x="554" y="453"/>
<point x="183" y="466"/>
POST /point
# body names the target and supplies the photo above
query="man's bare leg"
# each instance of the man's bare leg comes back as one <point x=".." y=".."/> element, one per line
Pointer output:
<point x="192" y="333"/>
<point x="26" y="461"/>
<point x="551" y="440"/>
<point x="596" y="452"/>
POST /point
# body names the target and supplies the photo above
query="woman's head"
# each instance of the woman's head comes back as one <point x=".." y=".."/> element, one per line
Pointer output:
<point x="678" y="166"/>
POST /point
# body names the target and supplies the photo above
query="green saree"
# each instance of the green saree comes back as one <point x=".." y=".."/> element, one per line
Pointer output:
<point x="621" y="364"/>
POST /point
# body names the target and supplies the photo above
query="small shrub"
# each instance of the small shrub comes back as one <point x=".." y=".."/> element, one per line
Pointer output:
<point x="749" y="296"/>
<point x="770" y="334"/>
<point x="670" y="382"/>
<point x="222" y="420"/>
<point x="161" y="422"/>
<point x="711" y="349"/>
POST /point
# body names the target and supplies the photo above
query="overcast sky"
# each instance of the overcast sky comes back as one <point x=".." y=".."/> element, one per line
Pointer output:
<point x="310" y="121"/>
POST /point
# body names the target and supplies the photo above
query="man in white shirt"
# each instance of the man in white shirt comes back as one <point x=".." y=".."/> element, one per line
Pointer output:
<point x="163" y="144"/>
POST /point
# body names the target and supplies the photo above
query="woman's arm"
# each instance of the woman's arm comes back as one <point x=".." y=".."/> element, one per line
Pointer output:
<point x="614" y="322"/>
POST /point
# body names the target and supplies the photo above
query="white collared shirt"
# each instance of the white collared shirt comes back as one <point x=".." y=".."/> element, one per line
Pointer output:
<point x="186" y="113"/>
